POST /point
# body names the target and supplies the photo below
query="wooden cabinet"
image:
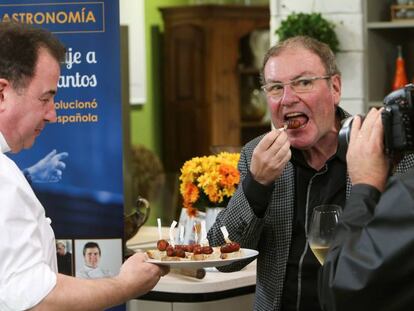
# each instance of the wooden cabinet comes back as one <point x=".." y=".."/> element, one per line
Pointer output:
<point x="203" y="62"/>
<point x="382" y="38"/>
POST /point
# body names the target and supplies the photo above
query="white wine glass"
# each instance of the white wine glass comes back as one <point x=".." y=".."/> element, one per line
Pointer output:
<point x="321" y="229"/>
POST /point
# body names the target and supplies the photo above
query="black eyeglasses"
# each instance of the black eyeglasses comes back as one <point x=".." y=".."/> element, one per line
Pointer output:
<point x="299" y="85"/>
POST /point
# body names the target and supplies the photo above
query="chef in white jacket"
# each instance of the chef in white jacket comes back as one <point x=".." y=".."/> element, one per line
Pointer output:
<point x="29" y="72"/>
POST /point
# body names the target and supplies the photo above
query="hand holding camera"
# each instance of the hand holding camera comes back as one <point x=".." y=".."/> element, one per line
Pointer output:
<point x="397" y="119"/>
<point x="390" y="131"/>
<point x="366" y="160"/>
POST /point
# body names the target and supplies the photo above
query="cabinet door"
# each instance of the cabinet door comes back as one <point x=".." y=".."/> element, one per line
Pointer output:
<point x="185" y="111"/>
<point x="202" y="84"/>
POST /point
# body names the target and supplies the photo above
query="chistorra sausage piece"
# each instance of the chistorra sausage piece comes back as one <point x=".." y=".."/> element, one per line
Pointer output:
<point x="293" y="124"/>
<point x="230" y="247"/>
<point x="162" y="245"/>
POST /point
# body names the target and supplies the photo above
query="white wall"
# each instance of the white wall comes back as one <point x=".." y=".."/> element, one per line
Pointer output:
<point x="348" y="18"/>
<point x="132" y="15"/>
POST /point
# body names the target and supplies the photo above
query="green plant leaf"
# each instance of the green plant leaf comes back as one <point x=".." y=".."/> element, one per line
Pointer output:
<point x="309" y="24"/>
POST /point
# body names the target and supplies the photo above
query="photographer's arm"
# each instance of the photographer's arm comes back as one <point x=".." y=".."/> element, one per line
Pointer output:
<point x="368" y="258"/>
<point x="368" y="264"/>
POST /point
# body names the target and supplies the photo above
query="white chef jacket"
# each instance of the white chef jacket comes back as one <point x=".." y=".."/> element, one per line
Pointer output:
<point x="28" y="263"/>
<point x="94" y="273"/>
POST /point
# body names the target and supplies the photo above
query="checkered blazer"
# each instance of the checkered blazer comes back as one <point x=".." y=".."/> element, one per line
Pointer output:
<point x="270" y="235"/>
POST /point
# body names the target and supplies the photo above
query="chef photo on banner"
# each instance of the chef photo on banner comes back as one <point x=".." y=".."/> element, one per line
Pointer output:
<point x="64" y="256"/>
<point x="95" y="259"/>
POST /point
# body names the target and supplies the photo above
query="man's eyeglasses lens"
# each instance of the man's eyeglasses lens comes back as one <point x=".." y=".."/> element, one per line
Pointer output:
<point x="300" y="85"/>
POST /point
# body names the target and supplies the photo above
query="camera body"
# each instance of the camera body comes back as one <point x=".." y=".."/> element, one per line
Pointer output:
<point x="397" y="119"/>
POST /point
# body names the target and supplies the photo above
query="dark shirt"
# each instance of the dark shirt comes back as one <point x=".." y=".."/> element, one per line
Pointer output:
<point x="65" y="263"/>
<point x="313" y="188"/>
<point x="370" y="264"/>
<point x="328" y="186"/>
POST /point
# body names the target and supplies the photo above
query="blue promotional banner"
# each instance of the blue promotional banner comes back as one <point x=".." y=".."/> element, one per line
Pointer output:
<point x="85" y="202"/>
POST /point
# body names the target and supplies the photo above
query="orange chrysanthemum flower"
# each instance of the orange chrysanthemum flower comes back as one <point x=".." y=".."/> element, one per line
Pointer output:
<point x="209" y="181"/>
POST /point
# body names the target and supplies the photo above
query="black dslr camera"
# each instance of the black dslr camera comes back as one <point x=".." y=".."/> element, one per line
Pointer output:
<point x="398" y="122"/>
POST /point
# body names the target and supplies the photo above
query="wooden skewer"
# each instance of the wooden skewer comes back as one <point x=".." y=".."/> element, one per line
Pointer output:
<point x="283" y="128"/>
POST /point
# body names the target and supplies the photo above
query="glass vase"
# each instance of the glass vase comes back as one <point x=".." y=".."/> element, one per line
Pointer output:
<point x="211" y="215"/>
<point x="188" y="235"/>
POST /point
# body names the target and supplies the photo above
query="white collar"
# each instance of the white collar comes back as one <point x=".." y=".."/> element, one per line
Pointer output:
<point x="4" y="147"/>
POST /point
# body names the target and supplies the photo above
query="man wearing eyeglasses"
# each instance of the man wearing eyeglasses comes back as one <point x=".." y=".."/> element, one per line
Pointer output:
<point x="287" y="172"/>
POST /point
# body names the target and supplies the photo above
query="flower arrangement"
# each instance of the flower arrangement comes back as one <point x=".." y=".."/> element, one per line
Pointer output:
<point x="209" y="181"/>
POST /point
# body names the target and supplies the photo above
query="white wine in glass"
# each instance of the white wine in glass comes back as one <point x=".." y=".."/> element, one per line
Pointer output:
<point x="321" y="229"/>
